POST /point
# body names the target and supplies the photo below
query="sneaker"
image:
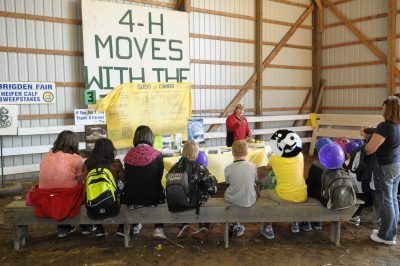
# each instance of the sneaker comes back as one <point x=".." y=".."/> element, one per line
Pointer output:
<point x="159" y="233"/>
<point x="120" y="230"/>
<point x="200" y="233"/>
<point x="374" y="236"/>
<point x="100" y="231"/>
<point x="87" y="228"/>
<point x="238" y="230"/>
<point x="136" y="229"/>
<point x="268" y="233"/>
<point x="355" y="220"/>
<point x="316" y="225"/>
<point x="295" y="227"/>
<point x="306" y="227"/>
<point x="63" y="232"/>
<point x="182" y="231"/>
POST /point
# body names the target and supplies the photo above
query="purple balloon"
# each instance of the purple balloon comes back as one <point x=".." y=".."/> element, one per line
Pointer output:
<point x="359" y="142"/>
<point x="351" y="146"/>
<point x="202" y="158"/>
<point x="331" y="156"/>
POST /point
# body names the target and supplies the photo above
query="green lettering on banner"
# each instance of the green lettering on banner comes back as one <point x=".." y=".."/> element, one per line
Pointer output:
<point x="182" y="77"/>
<point x="121" y="73"/>
<point x="107" y="69"/>
<point x="88" y="84"/>
<point x="141" y="51"/>
<point x="128" y="14"/>
<point x="132" y="78"/>
<point x="129" y="55"/>
<point x="172" y="49"/>
<point x="98" y="41"/>
<point x="158" y="70"/>
<point x="154" y="49"/>
<point x="90" y="96"/>
<point x="161" y="23"/>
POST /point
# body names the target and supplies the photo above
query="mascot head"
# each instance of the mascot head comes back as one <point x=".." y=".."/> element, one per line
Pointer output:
<point x="285" y="143"/>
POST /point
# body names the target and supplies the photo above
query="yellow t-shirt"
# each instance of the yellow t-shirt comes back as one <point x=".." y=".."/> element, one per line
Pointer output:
<point x="291" y="185"/>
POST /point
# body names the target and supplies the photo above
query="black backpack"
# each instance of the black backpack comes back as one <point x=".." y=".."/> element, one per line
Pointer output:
<point x="189" y="185"/>
<point x="337" y="191"/>
<point x="357" y="162"/>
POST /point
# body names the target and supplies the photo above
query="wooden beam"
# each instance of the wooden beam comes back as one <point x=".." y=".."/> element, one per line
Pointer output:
<point x="356" y="86"/>
<point x="361" y="19"/>
<point x="290" y="3"/>
<point x="39" y="51"/>
<point x="250" y="83"/>
<point x="357" y="64"/>
<point x="258" y="96"/>
<point x="221" y="13"/>
<point x="391" y="43"/>
<point x="316" y="56"/>
<point x="284" y="23"/>
<point x="371" y="46"/>
<point x="46" y="116"/>
<point x="353" y="108"/>
<point x="320" y="96"/>
<point x="303" y="106"/>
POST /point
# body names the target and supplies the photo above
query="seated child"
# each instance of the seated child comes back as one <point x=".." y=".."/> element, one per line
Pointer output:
<point x="191" y="152"/>
<point x="241" y="176"/>
<point x="287" y="163"/>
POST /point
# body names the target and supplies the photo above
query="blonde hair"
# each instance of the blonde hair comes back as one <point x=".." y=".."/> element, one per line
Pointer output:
<point x="238" y="106"/>
<point x="190" y="150"/>
<point x="239" y="148"/>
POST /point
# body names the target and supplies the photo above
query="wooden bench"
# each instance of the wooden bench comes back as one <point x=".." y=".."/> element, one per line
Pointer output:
<point x="216" y="210"/>
<point x="341" y="125"/>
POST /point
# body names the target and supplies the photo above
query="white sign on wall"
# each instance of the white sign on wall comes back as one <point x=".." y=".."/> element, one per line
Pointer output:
<point x="27" y="92"/>
<point x="89" y="117"/>
<point x="8" y="120"/>
<point x="126" y="43"/>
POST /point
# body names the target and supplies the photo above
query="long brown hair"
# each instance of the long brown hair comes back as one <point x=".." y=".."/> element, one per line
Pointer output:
<point x="67" y="142"/>
<point x="392" y="109"/>
<point x="103" y="154"/>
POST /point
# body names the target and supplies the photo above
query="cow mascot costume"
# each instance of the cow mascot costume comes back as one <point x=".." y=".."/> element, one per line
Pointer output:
<point x="287" y="163"/>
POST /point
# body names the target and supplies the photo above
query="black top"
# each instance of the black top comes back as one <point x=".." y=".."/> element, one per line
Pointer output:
<point x="389" y="151"/>
<point x="143" y="183"/>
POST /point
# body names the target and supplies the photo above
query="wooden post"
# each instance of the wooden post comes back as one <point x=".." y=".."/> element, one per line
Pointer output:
<point x="306" y="100"/>
<point x="183" y="5"/>
<point x="259" y="68"/>
<point x="317" y="53"/>
<point x="319" y="98"/>
<point x="391" y="42"/>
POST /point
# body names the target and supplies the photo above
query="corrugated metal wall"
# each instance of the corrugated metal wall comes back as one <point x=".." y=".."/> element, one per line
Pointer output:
<point x="227" y="36"/>
<point x="371" y="77"/>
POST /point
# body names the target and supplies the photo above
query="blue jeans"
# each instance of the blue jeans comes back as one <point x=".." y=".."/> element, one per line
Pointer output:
<point x="388" y="203"/>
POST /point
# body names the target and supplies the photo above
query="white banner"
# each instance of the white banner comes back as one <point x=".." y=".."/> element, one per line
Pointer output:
<point x="27" y="92"/>
<point x="89" y="117"/>
<point x="8" y="120"/>
<point x="126" y="43"/>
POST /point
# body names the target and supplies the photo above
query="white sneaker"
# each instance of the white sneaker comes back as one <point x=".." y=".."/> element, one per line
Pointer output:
<point x="136" y="229"/>
<point x="159" y="233"/>
<point x="374" y="236"/>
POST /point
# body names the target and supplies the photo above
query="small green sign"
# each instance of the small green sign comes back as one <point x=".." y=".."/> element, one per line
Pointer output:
<point x="90" y="96"/>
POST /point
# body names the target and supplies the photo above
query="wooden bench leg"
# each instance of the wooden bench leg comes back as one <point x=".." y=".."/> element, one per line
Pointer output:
<point x="127" y="234"/>
<point x="20" y="233"/>
<point x="335" y="232"/>
<point x="226" y="235"/>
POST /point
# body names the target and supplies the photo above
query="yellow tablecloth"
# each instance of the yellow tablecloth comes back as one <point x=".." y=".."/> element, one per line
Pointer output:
<point x="218" y="162"/>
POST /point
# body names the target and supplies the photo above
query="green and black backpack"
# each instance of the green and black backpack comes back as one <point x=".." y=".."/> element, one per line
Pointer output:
<point x="101" y="194"/>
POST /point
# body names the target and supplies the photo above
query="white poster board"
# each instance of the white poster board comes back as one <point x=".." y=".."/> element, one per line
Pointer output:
<point x="27" y="92"/>
<point x="8" y="120"/>
<point x="127" y="43"/>
<point x="89" y="117"/>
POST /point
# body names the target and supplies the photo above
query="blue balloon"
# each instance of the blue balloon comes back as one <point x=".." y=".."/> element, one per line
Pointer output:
<point x="202" y="158"/>
<point x="351" y="146"/>
<point x="322" y="142"/>
<point x="331" y="156"/>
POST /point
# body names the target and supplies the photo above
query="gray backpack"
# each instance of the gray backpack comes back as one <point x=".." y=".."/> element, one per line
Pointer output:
<point x="337" y="192"/>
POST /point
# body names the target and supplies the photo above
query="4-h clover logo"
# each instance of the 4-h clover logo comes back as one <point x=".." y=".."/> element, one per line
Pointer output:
<point x="5" y="119"/>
